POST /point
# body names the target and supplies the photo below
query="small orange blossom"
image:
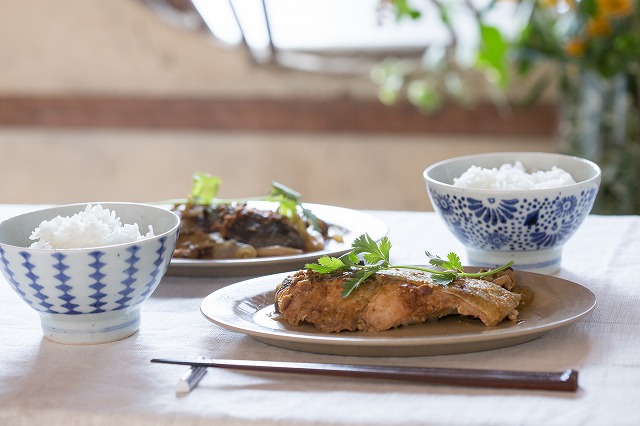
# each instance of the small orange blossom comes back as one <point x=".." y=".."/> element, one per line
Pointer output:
<point x="598" y="26"/>
<point x="617" y="8"/>
<point x="575" y="47"/>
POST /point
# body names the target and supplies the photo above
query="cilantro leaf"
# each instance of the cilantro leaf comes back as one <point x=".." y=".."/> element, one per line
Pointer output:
<point x="327" y="265"/>
<point x="372" y="252"/>
<point x="444" y="277"/>
<point x="306" y="213"/>
<point x="288" y="207"/>
<point x="290" y="200"/>
<point x="350" y="259"/>
<point x="451" y="263"/>
<point x="280" y="190"/>
<point x="353" y="283"/>
<point x="205" y="188"/>
<point x="454" y="262"/>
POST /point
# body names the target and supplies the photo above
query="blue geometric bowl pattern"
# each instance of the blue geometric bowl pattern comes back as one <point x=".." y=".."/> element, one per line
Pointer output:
<point x="88" y="282"/>
<point x="88" y="295"/>
<point x="514" y="223"/>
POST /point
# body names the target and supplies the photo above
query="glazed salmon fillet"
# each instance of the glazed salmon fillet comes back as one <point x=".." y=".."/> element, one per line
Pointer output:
<point x="392" y="298"/>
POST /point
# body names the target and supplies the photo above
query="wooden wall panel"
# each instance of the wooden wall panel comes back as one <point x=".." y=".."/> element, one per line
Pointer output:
<point x="289" y="115"/>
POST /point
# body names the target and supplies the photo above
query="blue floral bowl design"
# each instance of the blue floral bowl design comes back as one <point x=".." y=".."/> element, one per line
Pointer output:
<point x="527" y="226"/>
<point x="88" y="295"/>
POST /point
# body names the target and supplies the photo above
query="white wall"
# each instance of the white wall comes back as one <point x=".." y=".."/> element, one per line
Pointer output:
<point x="368" y="172"/>
<point x="120" y="47"/>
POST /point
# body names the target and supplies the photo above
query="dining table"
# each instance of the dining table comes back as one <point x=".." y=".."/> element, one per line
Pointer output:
<point x="47" y="383"/>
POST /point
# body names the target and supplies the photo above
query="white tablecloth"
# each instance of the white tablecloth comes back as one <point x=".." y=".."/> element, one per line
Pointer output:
<point x="47" y="383"/>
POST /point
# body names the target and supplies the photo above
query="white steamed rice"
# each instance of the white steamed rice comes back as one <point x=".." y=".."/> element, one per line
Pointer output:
<point x="512" y="176"/>
<point x="93" y="227"/>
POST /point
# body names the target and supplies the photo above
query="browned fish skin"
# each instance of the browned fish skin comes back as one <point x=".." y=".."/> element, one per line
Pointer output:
<point x="388" y="299"/>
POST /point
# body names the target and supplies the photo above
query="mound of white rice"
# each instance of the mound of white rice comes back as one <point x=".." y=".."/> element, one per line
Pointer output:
<point x="512" y="176"/>
<point x="93" y="227"/>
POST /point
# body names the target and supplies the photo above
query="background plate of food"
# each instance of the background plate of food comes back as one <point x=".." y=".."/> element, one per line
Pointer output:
<point x="258" y="255"/>
<point x="248" y="307"/>
<point x="260" y="235"/>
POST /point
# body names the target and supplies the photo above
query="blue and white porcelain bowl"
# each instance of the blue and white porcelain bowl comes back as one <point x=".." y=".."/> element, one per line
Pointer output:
<point x="88" y="295"/>
<point x="528" y="226"/>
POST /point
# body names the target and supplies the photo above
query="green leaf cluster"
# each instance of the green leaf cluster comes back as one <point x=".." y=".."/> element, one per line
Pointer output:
<point x="204" y="191"/>
<point x="376" y="257"/>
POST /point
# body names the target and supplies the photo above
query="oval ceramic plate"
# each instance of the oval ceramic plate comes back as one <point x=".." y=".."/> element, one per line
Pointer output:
<point x="247" y="307"/>
<point x="352" y="223"/>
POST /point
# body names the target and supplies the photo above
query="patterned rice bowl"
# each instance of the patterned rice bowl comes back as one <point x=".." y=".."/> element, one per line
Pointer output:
<point x="88" y="295"/>
<point x="528" y="226"/>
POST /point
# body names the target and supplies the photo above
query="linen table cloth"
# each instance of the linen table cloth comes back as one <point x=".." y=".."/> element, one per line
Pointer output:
<point x="42" y="382"/>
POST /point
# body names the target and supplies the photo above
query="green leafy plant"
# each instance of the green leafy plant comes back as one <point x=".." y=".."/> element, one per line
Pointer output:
<point x="375" y="258"/>
<point x="599" y="35"/>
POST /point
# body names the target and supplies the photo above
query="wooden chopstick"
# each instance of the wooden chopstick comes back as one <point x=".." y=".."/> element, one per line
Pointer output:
<point x="540" y="380"/>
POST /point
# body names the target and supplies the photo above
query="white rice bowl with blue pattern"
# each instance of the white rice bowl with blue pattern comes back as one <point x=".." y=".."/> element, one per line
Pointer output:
<point x="520" y="206"/>
<point x="89" y="275"/>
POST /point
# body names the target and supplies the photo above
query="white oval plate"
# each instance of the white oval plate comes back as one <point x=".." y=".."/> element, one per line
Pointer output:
<point x="247" y="307"/>
<point x="353" y="222"/>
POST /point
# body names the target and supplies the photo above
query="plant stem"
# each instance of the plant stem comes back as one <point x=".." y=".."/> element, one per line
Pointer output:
<point x="460" y="274"/>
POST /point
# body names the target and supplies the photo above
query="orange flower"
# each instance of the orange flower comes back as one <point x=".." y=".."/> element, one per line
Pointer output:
<point x="575" y="47"/>
<point x="615" y="7"/>
<point x="549" y="3"/>
<point x="598" y="26"/>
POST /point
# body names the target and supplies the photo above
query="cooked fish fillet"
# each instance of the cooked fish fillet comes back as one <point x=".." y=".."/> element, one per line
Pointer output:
<point x="389" y="299"/>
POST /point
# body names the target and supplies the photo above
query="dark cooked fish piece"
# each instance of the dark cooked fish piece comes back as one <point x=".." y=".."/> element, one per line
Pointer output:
<point x="201" y="218"/>
<point x="261" y="228"/>
<point x="388" y="299"/>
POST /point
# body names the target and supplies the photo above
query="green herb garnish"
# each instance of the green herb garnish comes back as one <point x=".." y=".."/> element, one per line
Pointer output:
<point x="205" y="192"/>
<point x="290" y="201"/>
<point x="205" y="188"/>
<point x="375" y="257"/>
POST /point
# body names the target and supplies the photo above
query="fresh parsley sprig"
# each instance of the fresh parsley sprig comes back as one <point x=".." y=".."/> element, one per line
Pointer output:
<point x="375" y="258"/>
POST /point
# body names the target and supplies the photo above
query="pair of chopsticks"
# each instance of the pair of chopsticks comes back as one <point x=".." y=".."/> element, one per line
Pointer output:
<point x="554" y="381"/>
